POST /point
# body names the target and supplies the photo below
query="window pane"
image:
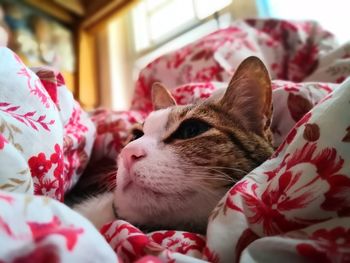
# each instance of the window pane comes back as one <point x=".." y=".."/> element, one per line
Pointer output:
<point x="153" y="4"/>
<point x="170" y="16"/>
<point x="140" y="23"/>
<point x="206" y="8"/>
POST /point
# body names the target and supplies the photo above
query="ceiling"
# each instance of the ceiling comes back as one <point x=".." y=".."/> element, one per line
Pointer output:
<point x="73" y="11"/>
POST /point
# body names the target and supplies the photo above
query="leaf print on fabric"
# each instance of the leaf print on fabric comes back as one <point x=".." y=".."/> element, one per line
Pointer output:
<point x="328" y="246"/>
<point x="11" y="132"/>
<point x="41" y="231"/>
<point x="57" y="158"/>
<point x="13" y="183"/>
<point x="35" y="86"/>
<point x="51" y="80"/>
<point x="75" y="127"/>
<point x="28" y="118"/>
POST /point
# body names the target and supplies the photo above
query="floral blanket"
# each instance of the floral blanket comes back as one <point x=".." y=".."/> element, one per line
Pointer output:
<point x="295" y="207"/>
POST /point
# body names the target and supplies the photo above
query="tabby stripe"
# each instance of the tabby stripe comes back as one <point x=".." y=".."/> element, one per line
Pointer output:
<point x="241" y="146"/>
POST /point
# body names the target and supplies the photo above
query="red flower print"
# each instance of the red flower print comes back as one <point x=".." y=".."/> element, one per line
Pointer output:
<point x="329" y="246"/>
<point x="41" y="231"/>
<point x="198" y="242"/>
<point x="39" y="166"/>
<point x="46" y="186"/>
<point x="128" y="241"/>
<point x="159" y="237"/>
<point x="179" y="242"/>
<point x="300" y="181"/>
<point x="45" y="253"/>
<point x="57" y="158"/>
<point x="75" y="127"/>
<point x="240" y="187"/>
<point x="2" y="142"/>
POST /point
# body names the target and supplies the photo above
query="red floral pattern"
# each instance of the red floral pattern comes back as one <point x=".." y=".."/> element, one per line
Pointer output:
<point x="304" y="184"/>
<point x="41" y="230"/>
<point x="39" y="165"/>
<point x="45" y="253"/>
<point x="2" y="141"/>
<point x="329" y="246"/>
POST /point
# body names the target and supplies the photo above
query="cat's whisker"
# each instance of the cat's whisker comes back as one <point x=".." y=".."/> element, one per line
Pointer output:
<point x="210" y="177"/>
<point x="217" y="173"/>
<point x="211" y="167"/>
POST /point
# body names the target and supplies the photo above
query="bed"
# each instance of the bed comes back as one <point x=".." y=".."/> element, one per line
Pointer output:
<point x="295" y="207"/>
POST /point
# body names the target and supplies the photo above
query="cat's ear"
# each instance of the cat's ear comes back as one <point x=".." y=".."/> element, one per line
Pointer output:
<point x="161" y="97"/>
<point x="249" y="95"/>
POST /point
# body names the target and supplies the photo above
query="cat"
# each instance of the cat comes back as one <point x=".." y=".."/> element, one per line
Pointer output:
<point x="183" y="159"/>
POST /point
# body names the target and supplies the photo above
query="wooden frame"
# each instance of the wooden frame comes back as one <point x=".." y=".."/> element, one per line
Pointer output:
<point x="88" y="92"/>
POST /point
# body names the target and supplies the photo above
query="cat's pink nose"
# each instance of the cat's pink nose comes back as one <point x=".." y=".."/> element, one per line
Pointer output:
<point x="131" y="154"/>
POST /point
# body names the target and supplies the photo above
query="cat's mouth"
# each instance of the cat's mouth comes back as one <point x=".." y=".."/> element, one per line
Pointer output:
<point x="137" y="187"/>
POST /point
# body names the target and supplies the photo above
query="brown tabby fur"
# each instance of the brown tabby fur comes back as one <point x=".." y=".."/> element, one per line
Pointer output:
<point x="241" y="138"/>
<point x="190" y="174"/>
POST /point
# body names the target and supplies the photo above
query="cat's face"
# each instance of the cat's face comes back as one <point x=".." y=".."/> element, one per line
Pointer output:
<point x="183" y="159"/>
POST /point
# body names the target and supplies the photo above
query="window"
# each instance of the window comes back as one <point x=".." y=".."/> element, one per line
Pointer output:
<point x="155" y="21"/>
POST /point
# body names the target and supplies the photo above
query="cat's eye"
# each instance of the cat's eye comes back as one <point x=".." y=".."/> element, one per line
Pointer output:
<point x="190" y="128"/>
<point x="136" y="133"/>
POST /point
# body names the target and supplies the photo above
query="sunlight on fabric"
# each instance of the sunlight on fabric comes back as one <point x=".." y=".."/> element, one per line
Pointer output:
<point x="332" y="15"/>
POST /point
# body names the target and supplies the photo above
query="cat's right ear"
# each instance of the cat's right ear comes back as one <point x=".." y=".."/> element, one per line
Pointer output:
<point x="249" y="95"/>
<point x="161" y="97"/>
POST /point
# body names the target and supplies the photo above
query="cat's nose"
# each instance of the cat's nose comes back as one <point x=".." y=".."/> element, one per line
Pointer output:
<point x="131" y="154"/>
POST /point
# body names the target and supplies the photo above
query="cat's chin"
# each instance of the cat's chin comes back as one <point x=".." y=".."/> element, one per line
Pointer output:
<point x="158" y="211"/>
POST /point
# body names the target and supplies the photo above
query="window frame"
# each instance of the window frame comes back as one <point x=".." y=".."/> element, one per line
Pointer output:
<point x="196" y="22"/>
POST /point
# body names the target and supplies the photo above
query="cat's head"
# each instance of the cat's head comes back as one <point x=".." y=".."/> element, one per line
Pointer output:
<point x="183" y="159"/>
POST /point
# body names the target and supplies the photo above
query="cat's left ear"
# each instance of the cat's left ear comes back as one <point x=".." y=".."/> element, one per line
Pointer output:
<point x="161" y="97"/>
<point x="249" y="95"/>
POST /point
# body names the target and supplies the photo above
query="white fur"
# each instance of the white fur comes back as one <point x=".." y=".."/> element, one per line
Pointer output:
<point x="97" y="209"/>
<point x="160" y="193"/>
<point x="177" y="199"/>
